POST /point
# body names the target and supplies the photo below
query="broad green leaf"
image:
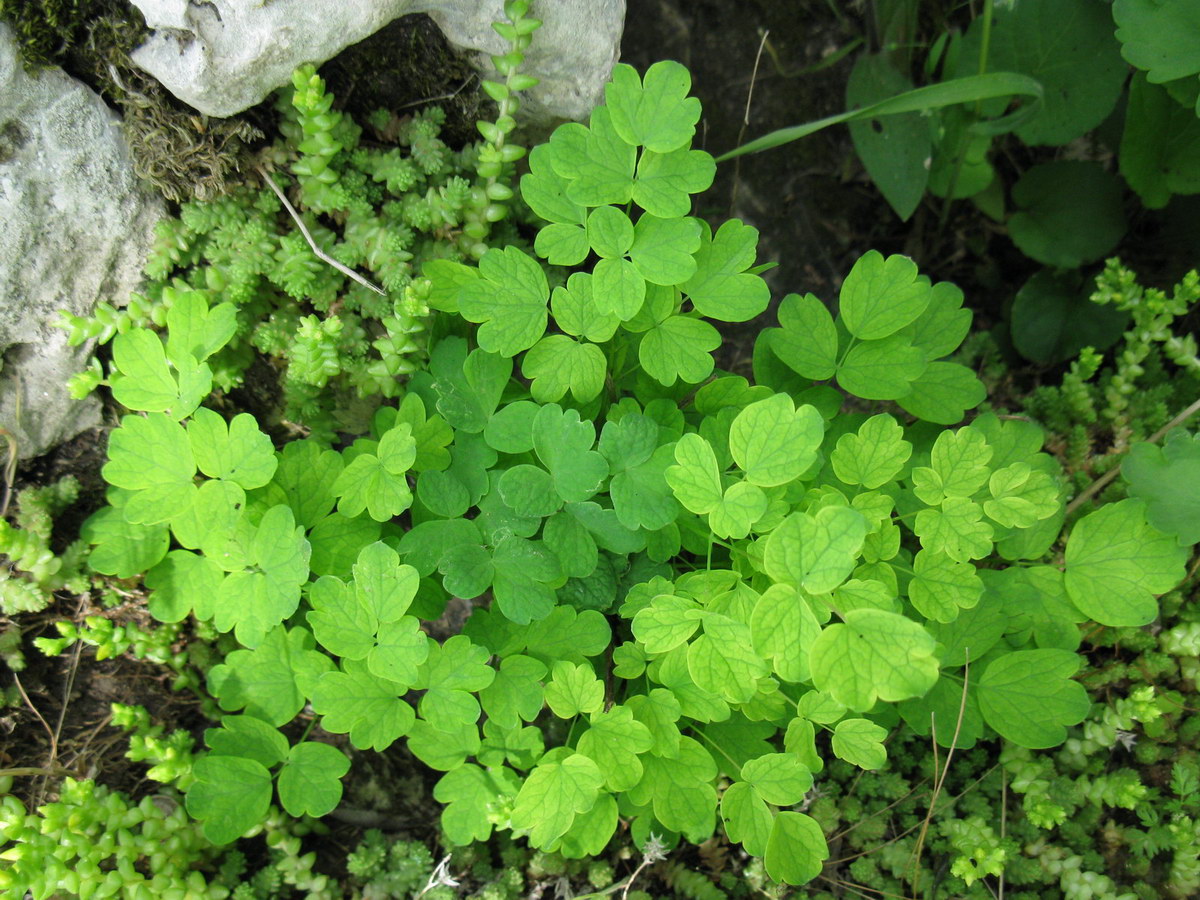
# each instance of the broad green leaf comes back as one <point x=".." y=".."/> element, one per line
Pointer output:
<point x="816" y="552"/>
<point x="182" y="583"/>
<point x="820" y="707"/>
<point x="591" y="831"/>
<point x="680" y="789"/>
<point x="468" y="385"/>
<point x="1021" y="496"/>
<point x="610" y="232"/>
<point x="943" y="393"/>
<point x="376" y="482"/>
<point x="1053" y="318"/>
<point x="336" y="541"/>
<point x="400" y="649"/>
<point x="1160" y="36"/>
<point x="455" y="671"/>
<point x="382" y="585"/>
<point x="874" y="654"/>
<point x="310" y="782"/>
<point x="666" y="181"/>
<point x="151" y="455"/>
<point x="470" y="793"/>
<point x="679" y="348"/>
<point x="121" y="548"/>
<point x="248" y="737"/>
<point x="860" y="743"/>
<point x="780" y="778"/>
<point x="358" y="703"/>
<point x="596" y="162"/>
<point x="696" y="480"/>
<point x="546" y="193"/>
<point x="641" y="495"/>
<point x="721" y="288"/>
<point x="523" y="572"/>
<point x="872" y="456"/>
<point x="800" y="738"/>
<point x="195" y="330"/>
<point x="509" y="299"/>
<point x="666" y="623"/>
<point x="614" y="740"/>
<point x="956" y="529"/>
<point x="807" y="341"/>
<point x="576" y="312"/>
<point x="230" y="796"/>
<point x="553" y="795"/>
<point x="658" y="710"/>
<point x="569" y="635"/>
<point x="941" y="587"/>
<point x="1070" y="212"/>
<point x="741" y="506"/>
<point x="1167" y="480"/>
<point x="783" y="629"/>
<point x="618" y="289"/>
<point x="881" y="370"/>
<point x="557" y="364"/>
<point x="529" y="491"/>
<point x="880" y="296"/>
<point x="212" y="519"/>
<point x="655" y="110"/>
<point x="304" y="480"/>
<point x="773" y="442"/>
<point x="515" y="694"/>
<point x="443" y="750"/>
<point x="254" y="600"/>
<point x="510" y="430"/>
<point x="796" y="849"/>
<point x="574" y="689"/>
<point x="236" y="452"/>
<point x="145" y="380"/>
<point x="942" y="327"/>
<point x="572" y="544"/>
<point x="958" y="467"/>
<point x="341" y="624"/>
<point x="664" y="249"/>
<point x="563" y="442"/>
<point x="1116" y="562"/>
<point x="273" y="680"/>
<point x="1160" y="147"/>
<point x="747" y="818"/>
<point x="939" y="711"/>
<point x="722" y="661"/>
<point x="1029" y="698"/>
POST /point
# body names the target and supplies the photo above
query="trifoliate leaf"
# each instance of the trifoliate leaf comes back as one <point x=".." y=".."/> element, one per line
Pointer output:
<point x="126" y="550"/>
<point x="664" y="249"/>
<point x="679" y="348"/>
<point x="272" y="681"/>
<point x="576" y="312"/>
<point x="553" y="795"/>
<point x="567" y="634"/>
<point x="874" y="654"/>
<point x="563" y="442"/>
<point x="468" y="385"/>
<point x="943" y="393"/>
<point x="254" y="600"/>
<point x="783" y="629"/>
<point x="807" y="341"/>
<point x="641" y="495"/>
<point x="747" y="818"/>
<point x="310" y="782"/>
<point x="956" y="529"/>
<point x="597" y="163"/>
<point x="574" y="689"/>
<point x="653" y="111"/>
<point x="1029" y="698"/>
<point x="680" y="789"/>
<point x="236" y="452"/>
<point x="1021" y="496"/>
<point x="557" y="363"/>
<point x="741" y="506"/>
<point x="614" y="741"/>
<point x="336" y="541"/>
<point x="696" y="480"/>
<point x="400" y="648"/>
<point x="230" y="796"/>
<point x="376" y="482"/>
<point x="721" y="288"/>
<point x="509" y="299"/>
<point x="151" y="455"/>
<point x="591" y="831"/>
<point x="880" y="296"/>
<point x="572" y="544"/>
<point x="367" y="707"/>
<point x="515" y="694"/>
<point x="942" y="327"/>
<point x="873" y="456"/>
<point x="1116" y="562"/>
<point x="665" y="181"/>
<point x="1167" y="480"/>
<point x="564" y="242"/>
<point x="773" y="442"/>
<point x="958" y="467"/>
<point x="881" y="370"/>
<point x="618" y="289"/>
<point x="523" y="572"/>
<point x="472" y="794"/>
<point x="817" y="552"/>
<point x="942" y="587"/>
<point x="860" y="743"/>
<point x="382" y="585"/>
<point x="529" y="491"/>
<point x="304" y="480"/>
<point x="796" y="849"/>
<point x="454" y="671"/>
<point x="722" y="661"/>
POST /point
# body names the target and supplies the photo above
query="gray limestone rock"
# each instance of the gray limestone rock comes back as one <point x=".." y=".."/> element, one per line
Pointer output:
<point x="224" y="56"/>
<point x="75" y="225"/>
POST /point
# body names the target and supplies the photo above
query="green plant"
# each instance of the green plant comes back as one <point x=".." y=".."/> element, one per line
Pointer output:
<point x="701" y="589"/>
<point x="282" y="280"/>
<point x="33" y="571"/>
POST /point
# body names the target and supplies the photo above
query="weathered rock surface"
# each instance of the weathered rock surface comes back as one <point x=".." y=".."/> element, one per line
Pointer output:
<point x="75" y="225"/>
<point x="224" y="56"/>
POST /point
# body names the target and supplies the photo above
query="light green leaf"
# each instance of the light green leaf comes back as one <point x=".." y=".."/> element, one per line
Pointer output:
<point x="860" y="743"/>
<point x="796" y="849"/>
<point x="304" y="480"/>
<point x="614" y="741"/>
<point x="783" y="629"/>
<point x="236" y="452"/>
<point x="182" y="583"/>
<point x="382" y="585"/>
<point x="741" y="506"/>
<point x="377" y="483"/>
<point x="516" y="692"/>
<point x="808" y="341"/>
<point x="658" y="710"/>
<point x="958" y="467"/>
<point x="248" y="737"/>
<point x="696" y="480"/>
<point x="310" y="783"/>
<point x="665" y="181"/>
<point x="145" y="382"/>
<point x="881" y="370"/>
<point x="680" y="789"/>
<point x="273" y="680"/>
<point x="653" y="111"/>
<point x="721" y="288"/>
<point x="558" y="363"/>
<point x="610" y="232"/>
<point x="455" y="671"/>
<point x="471" y="793"/>
<point x="1116" y="562"/>
<point x="553" y="795"/>
<point x="340" y="623"/>
<point x="722" y="661"/>
<point x="367" y="707"/>
<point x="664" y="249"/>
<point x="773" y="442"/>
<point x="151" y="456"/>
<point x="666" y="623"/>
<point x="943" y="393"/>
<point x="956" y="529"/>
<point x="1021" y="496"/>
<point x="679" y="348"/>
<point x="880" y="296"/>
<point x="1029" y="698"/>
<point x="563" y="442"/>
<point x="747" y="818"/>
<point x="196" y="331"/>
<point x="574" y="689"/>
<point x="618" y="289"/>
<point x="780" y="778"/>
<point x="577" y="313"/>
<point x="874" y="654"/>
<point x="942" y="587"/>
<point x="1167" y="480"/>
<point x="400" y="649"/>
<point x="597" y="163"/>
<point x="509" y="299"/>
<point x="873" y="456"/>
<point x="230" y="796"/>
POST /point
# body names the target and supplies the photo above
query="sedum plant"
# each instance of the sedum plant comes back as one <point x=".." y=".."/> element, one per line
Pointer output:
<point x="688" y="591"/>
